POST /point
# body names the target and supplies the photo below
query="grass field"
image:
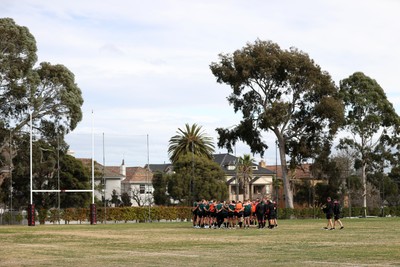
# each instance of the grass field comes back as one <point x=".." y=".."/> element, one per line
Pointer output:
<point x="363" y="242"/>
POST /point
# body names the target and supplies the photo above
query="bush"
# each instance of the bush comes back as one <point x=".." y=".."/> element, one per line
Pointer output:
<point x="54" y="215"/>
<point x="43" y="216"/>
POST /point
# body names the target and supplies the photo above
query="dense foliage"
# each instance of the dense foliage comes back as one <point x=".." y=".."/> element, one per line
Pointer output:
<point x="284" y="92"/>
<point x="43" y="101"/>
<point x="196" y="178"/>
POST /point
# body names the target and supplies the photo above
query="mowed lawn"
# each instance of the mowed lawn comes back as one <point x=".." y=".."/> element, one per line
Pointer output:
<point x="363" y="242"/>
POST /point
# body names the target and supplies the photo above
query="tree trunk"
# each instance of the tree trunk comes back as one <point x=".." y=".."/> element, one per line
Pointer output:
<point x="285" y="179"/>
<point x="244" y="190"/>
<point x="364" y="184"/>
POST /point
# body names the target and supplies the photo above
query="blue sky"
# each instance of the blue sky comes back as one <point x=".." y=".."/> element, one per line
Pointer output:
<point x="143" y="66"/>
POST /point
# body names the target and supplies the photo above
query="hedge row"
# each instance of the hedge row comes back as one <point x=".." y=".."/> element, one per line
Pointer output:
<point x="158" y="213"/>
<point x="123" y="214"/>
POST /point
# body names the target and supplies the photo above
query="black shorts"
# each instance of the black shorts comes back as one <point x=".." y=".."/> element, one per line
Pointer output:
<point x="200" y="214"/>
<point x="337" y="217"/>
<point x="230" y="214"/>
<point x="329" y="216"/>
<point x="247" y="214"/>
<point x="239" y="214"/>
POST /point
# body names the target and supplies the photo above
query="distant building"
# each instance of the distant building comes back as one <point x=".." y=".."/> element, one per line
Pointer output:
<point x="137" y="181"/>
<point x="259" y="186"/>
<point x="106" y="179"/>
<point x="138" y="184"/>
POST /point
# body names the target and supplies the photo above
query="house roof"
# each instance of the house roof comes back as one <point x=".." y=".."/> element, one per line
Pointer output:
<point x="138" y="175"/>
<point x="110" y="172"/>
<point x="158" y="167"/>
<point x="301" y="172"/>
<point x="226" y="160"/>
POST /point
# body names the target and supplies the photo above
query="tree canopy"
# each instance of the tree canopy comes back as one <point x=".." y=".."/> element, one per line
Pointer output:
<point x="196" y="177"/>
<point x="372" y="122"/>
<point x="44" y="94"/>
<point x="190" y="140"/>
<point x="280" y="91"/>
<point x="48" y="92"/>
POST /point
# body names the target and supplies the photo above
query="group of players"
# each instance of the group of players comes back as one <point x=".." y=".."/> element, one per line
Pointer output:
<point x="232" y="214"/>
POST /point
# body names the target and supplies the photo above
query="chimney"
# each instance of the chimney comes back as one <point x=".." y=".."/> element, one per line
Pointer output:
<point x="262" y="164"/>
<point x="122" y="168"/>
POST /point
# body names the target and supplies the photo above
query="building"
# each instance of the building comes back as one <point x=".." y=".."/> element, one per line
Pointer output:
<point x="137" y="181"/>
<point x="259" y="186"/>
<point x="138" y="185"/>
<point x="106" y="179"/>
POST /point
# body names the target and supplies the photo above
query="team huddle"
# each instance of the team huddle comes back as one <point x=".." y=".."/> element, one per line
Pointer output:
<point x="232" y="214"/>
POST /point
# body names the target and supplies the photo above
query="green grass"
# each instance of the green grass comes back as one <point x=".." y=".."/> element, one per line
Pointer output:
<point x="363" y="242"/>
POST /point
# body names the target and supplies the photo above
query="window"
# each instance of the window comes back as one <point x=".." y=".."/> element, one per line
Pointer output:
<point x="142" y="188"/>
<point x="231" y="167"/>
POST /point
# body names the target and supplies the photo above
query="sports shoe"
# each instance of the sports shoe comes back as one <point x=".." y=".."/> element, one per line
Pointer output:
<point x="332" y="229"/>
<point x="341" y="227"/>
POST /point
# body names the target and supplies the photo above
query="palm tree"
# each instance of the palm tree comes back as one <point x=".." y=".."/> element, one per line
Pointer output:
<point x="245" y="171"/>
<point x="190" y="140"/>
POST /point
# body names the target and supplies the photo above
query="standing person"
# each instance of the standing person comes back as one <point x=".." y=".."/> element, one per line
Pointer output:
<point x="213" y="219"/>
<point x="276" y="214"/>
<point x="239" y="213"/>
<point x="225" y="211"/>
<point x="271" y="214"/>
<point x="253" y="211"/>
<point x="219" y="213"/>
<point x="247" y="213"/>
<point x="206" y="217"/>
<point x="200" y="214"/>
<point x="194" y="213"/>
<point x="336" y="213"/>
<point x="328" y="209"/>
<point x="231" y="214"/>
<point x="260" y="213"/>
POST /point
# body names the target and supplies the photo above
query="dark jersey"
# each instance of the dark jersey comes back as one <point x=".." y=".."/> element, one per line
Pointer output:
<point x="336" y="208"/>
<point x="201" y="207"/>
<point x="231" y="207"/>
<point x="329" y="208"/>
<point x="271" y="210"/>
<point x="247" y="208"/>
<point x="260" y="208"/>
<point x="219" y="207"/>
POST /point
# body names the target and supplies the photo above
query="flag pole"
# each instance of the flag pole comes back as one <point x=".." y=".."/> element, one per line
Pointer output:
<point x="93" y="219"/>
<point x="31" y="206"/>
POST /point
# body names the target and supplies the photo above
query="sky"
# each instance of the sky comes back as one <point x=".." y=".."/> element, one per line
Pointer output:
<point x="144" y="66"/>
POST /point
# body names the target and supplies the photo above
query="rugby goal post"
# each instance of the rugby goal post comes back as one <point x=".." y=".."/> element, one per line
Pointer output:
<point x="31" y="206"/>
